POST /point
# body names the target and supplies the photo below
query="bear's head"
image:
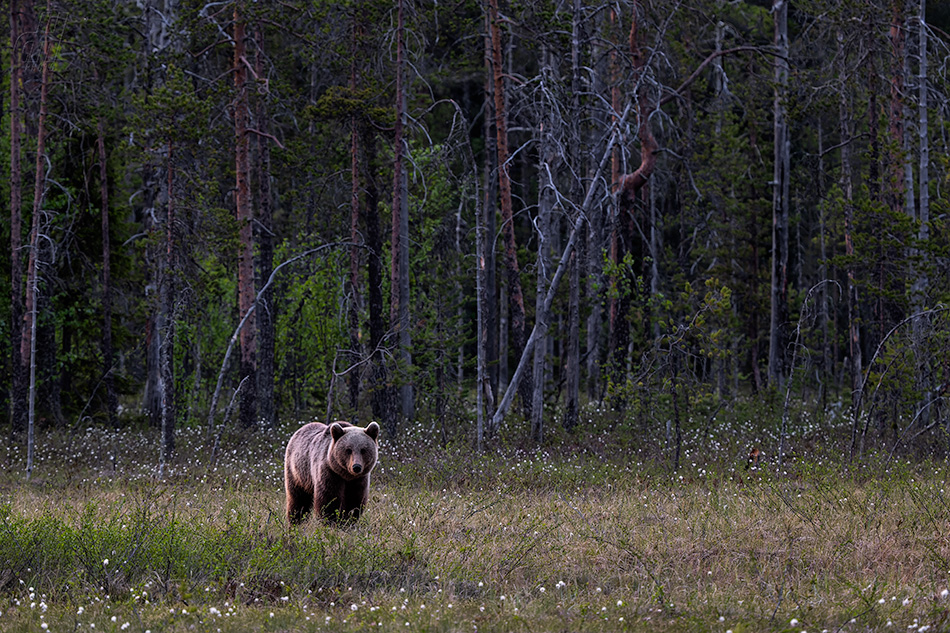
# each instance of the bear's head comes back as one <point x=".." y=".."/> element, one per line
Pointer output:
<point x="353" y="450"/>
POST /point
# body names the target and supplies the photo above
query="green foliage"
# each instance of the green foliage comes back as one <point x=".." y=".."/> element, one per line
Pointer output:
<point x="339" y="102"/>
<point x="311" y="328"/>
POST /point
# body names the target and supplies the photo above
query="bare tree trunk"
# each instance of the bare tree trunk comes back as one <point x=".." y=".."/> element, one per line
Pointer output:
<point x="512" y="267"/>
<point x="28" y="341"/>
<point x="243" y="211"/>
<point x="780" y="201"/>
<point x="267" y="313"/>
<point x="400" y="230"/>
<point x="573" y="362"/>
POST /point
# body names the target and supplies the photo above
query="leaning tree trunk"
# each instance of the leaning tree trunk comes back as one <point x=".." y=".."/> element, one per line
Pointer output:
<point x="780" y="200"/>
<point x="243" y="211"/>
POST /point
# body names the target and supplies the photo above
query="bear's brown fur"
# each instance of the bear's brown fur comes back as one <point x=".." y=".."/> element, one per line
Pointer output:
<point x="327" y="468"/>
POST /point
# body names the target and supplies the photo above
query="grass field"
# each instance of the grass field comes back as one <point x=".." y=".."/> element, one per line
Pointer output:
<point x="597" y="535"/>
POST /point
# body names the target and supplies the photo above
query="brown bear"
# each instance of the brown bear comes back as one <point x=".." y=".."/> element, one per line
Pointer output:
<point x="327" y="468"/>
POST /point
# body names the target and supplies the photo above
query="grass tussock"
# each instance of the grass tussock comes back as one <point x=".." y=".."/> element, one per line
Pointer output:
<point x="514" y="540"/>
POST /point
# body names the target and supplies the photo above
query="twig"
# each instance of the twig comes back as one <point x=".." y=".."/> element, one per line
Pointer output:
<point x="224" y="422"/>
<point x="856" y="409"/>
<point x="240" y="326"/>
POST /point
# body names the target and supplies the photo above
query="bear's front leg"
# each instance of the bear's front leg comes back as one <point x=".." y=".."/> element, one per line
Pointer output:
<point x="299" y="503"/>
<point x="354" y="498"/>
<point x="327" y="497"/>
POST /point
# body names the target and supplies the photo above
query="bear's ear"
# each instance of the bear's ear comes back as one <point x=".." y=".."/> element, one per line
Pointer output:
<point x="337" y="431"/>
<point x="372" y="429"/>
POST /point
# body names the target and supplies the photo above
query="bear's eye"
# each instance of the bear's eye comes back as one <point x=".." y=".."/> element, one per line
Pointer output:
<point x="349" y="451"/>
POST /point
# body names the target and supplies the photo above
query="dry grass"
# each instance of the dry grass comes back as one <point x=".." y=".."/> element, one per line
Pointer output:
<point x="513" y="541"/>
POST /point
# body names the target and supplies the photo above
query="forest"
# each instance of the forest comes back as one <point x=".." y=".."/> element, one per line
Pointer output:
<point x="485" y="217"/>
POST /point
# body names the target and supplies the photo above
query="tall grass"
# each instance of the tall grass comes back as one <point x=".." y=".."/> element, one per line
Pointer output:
<point x="597" y="537"/>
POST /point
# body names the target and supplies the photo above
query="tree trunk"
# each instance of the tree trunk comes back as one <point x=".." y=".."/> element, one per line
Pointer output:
<point x="546" y="202"/>
<point x="266" y="314"/>
<point x="30" y="326"/>
<point x="630" y="184"/>
<point x="780" y="201"/>
<point x="243" y="211"/>
<point x="490" y="307"/>
<point x="400" y="229"/>
<point x="516" y="302"/>
<point x="573" y="361"/>
<point x="847" y="186"/>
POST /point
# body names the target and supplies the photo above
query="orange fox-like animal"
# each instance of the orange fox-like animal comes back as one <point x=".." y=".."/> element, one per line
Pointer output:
<point x="754" y="455"/>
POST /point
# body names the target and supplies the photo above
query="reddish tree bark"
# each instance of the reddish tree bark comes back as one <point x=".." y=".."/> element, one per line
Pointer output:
<point x="507" y="214"/>
<point x="242" y="202"/>
<point x="630" y="184"/>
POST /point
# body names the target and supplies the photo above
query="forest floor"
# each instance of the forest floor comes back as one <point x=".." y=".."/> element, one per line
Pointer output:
<point x="598" y="535"/>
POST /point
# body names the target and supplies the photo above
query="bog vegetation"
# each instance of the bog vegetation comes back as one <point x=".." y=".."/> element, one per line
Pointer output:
<point x="603" y="536"/>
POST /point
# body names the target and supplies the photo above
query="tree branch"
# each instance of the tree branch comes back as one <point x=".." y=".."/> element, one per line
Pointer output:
<point x="699" y="69"/>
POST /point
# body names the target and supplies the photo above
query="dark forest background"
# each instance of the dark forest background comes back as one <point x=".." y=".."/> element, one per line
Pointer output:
<point x="461" y="212"/>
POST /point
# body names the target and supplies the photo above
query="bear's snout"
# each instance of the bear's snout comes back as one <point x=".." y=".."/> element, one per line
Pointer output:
<point x="357" y="468"/>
